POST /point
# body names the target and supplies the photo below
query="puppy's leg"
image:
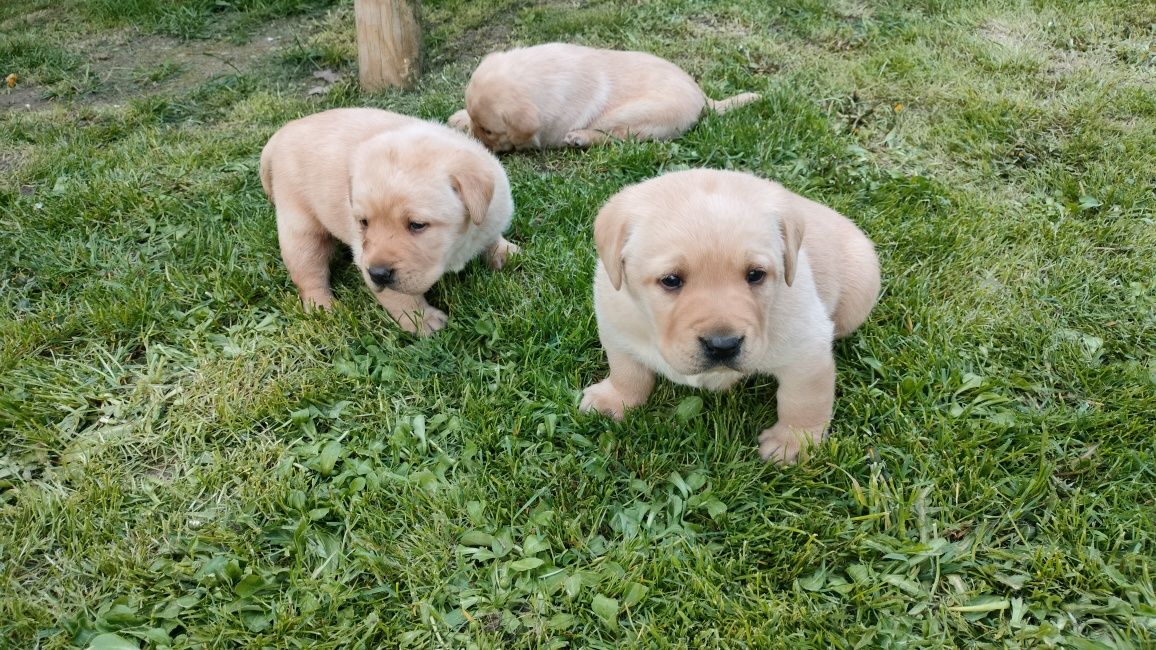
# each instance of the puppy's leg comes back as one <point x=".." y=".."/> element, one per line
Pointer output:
<point x="628" y="385"/>
<point x="805" y="400"/>
<point x="306" y="248"/>
<point x="582" y="138"/>
<point x="412" y="313"/>
<point x="460" y="121"/>
<point x="642" y="120"/>
<point x="499" y="252"/>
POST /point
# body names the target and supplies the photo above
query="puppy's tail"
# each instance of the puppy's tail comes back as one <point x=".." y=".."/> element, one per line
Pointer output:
<point x="723" y="105"/>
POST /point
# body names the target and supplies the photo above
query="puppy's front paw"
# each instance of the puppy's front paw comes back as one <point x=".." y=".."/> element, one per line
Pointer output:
<point x="497" y="255"/>
<point x="424" y="321"/>
<point x="317" y="300"/>
<point x="460" y="121"/>
<point x="604" y="398"/>
<point x="579" y="139"/>
<point x="785" y="445"/>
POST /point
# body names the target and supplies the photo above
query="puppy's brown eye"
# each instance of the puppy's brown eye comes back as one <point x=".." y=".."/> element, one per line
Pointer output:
<point x="417" y="226"/>
<point x="671" y="282"/>
<point x="756" y="276"/>
<point x="364" y="223"/>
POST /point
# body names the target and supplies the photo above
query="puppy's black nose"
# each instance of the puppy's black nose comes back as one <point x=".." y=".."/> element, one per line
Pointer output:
<point x="382" y="276"/>
<point x="721" y="348"/>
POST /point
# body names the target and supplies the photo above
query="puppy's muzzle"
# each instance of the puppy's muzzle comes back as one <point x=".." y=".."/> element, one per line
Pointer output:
<point x="721" y="349"/>
<point x="382" y="276"/>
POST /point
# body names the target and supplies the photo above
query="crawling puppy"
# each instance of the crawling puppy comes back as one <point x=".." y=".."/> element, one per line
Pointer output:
<point x="411" y="198"/>
<point x="558" y="95"/>
<point x="709" y="276"/>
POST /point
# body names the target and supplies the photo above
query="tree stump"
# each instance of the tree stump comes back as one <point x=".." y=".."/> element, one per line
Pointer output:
<point x="388" y="43"/>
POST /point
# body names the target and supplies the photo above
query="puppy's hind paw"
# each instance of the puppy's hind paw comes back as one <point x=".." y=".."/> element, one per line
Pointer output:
<point x="604" y="398"/>
<point x="498" y="254"/>
<point x="460" y="121"/>
<point x="784" y="445"/>
<point x="580" y="139"/>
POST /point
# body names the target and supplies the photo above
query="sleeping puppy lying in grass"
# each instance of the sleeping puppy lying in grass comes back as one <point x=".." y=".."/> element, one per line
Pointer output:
<point x="709" y="276"/>
<point x="411" y="198"/>
<point x="559" y="95"/>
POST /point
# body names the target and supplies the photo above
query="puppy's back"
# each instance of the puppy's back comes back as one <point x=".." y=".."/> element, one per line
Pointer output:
<point x="842" y="260"/>
<point x="313" y="151"/>
<point x="577" y="70"/>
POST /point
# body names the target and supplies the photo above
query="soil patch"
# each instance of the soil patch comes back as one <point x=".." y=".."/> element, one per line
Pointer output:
<point x="124" y="63"/>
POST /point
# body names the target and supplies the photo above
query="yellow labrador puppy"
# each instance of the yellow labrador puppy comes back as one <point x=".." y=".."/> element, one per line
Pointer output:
<point x="411" y="198"/>
<point x="557" y="95"/>
<point x="708" y="276"/>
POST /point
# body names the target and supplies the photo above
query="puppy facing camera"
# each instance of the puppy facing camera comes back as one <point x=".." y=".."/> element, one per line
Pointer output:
<point x="412" y="200"/>
<point x="706" y="277"/>
<point x="562" y="95"/>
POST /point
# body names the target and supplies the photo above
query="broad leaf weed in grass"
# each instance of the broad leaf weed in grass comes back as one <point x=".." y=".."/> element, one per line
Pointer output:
<point x="188" y="459"/>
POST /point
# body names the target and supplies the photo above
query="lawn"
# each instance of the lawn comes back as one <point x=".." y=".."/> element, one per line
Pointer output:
<point x="188" y="459"/>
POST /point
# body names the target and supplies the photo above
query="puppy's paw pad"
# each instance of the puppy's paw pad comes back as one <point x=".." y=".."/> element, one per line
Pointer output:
<point x="785" y="445"/>
<point x="500" y="253"/>
<point x="604" y="398"/>
<point x="460" y="121"/>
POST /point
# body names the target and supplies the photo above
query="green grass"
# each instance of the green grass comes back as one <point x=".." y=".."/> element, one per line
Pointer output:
<point x="190" y="460"/>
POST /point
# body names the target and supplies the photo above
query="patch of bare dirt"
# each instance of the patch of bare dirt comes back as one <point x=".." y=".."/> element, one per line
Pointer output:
<point x="24" y="20"/>
<point x="20" y="97"/>
<point x="10" y="159"/>
<point x="1026" y="36"/>
<point x="491" y="35"/>
<point x="1067" y="62"/>
<point x="125" y="63"/>
<point x="1011" y="36"/>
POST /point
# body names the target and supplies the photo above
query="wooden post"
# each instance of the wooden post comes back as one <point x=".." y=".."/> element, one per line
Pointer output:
<point x="388" y="43"/>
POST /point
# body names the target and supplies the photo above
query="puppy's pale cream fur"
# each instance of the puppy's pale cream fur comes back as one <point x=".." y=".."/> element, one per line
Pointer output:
<point x="408" y="196"/>
<point x="557" y="95"/>
<point x="755" y="261"/>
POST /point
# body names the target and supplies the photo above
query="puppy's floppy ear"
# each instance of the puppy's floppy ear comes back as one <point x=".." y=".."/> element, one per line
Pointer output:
<point x="792" y="227"/>
<point x="474" y="184"/>
<point x="610" y="230"/>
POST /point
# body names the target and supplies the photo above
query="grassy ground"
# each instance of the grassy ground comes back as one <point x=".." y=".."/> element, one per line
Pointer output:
<point x="188" y="459"/>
